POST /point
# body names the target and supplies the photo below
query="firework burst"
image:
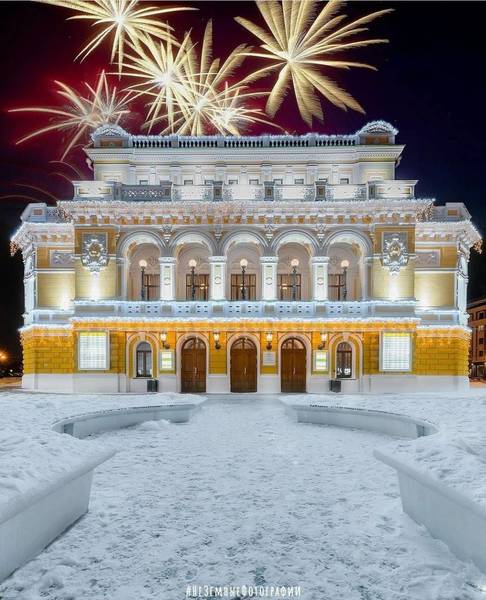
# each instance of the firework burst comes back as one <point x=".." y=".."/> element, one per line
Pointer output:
<point x="81" y="114"/>
<point x="123" y="20"/>
<point x="300" y="41"/>
<point x="159" y="69"/>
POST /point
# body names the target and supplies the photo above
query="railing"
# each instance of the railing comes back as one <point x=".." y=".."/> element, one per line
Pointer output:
<point x="317" y="192"/>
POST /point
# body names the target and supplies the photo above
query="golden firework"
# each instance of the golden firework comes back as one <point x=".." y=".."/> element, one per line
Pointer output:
<point x="81" y="113"/>
<point x="160" y="70"/>
<point x="300" y="41"/>
<point x="125" y="20"/>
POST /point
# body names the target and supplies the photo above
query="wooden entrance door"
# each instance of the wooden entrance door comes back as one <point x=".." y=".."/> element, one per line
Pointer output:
<point x="293" y="366"/>
<point x="243" y="366"/>
<point x="344" y="361"/>
<point x="193" y="366"/>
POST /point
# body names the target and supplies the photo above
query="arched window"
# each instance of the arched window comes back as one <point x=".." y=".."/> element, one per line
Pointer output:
<point x="344" y="361"/>
<point x="144" y="360"/>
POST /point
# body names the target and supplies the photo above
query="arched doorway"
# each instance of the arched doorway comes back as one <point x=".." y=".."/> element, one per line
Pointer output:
<point x="243" y="366"/>
<point x="293" y="366"/>
<point x="193" y="366"/>
<point x="344" y="361"/>
<point x="144" y="360"/>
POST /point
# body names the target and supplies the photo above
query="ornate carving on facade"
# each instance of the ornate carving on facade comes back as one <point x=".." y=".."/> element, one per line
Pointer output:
<point x="62" y="258"/>
<point x="395" y="251"/>
<point x="95" y="252"/>
<point x="427" y="258"/>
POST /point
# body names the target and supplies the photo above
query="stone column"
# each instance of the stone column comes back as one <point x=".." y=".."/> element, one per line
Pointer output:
<point x="217" y="278"/>
<point x="167" y="278"/>
<point x="320" y="266"/>
<point x="269" y="277"/>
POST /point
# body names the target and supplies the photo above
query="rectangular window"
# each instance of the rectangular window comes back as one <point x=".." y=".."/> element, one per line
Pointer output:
<point x="232" y="181"/>
<point x="151" y="286"/>
<point x="286" y="284"/>
<point x="299" y="181"/>
<point x="336" y="286"/>
<point x="344" y="181"/>
<point x="208" y="182"/>
<point x="481" y="340"/>
<point x="143" y="182"/>
<point x="93" y="350"/>
<point x="254" y="182"/>
<point x="278" y="181"/>
<point x="237" y="287"/>
<point x="396" y="352"/>
<point x="201" y="286"/>
<point x="188" y="181"/>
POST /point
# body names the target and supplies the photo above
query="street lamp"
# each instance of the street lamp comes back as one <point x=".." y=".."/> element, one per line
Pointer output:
<point x="142" y="263"/>
<point x="294" y="263"/>
<point x="243" y="265"/>
<point x="345" y="265"/>
<point x="192" y="266"/>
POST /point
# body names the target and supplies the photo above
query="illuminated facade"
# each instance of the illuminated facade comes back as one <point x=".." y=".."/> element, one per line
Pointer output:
<point x="477" y="322"/>
<point x="269" y="263"/>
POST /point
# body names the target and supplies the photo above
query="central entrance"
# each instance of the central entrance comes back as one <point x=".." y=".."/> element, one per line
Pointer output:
<point x="193" y="366"/>
<point x="243" y="366"/>
<point x="293" y="366"/>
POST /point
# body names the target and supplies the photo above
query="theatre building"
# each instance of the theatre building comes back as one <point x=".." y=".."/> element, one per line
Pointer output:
<point x="245" y="264"/>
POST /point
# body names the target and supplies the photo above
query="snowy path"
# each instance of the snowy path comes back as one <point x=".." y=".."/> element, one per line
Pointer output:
<point x="244" y="495"/>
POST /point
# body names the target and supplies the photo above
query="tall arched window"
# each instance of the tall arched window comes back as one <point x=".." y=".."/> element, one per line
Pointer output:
<point x="144" y="360"/>
<point x="344" y="361"/>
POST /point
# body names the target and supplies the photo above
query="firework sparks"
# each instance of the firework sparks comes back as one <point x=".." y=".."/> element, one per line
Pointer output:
<point x="300" y="42"/>
<point x="81" y="114"/>
<point x="124" y="20"/>
<point x="160" y="70"/>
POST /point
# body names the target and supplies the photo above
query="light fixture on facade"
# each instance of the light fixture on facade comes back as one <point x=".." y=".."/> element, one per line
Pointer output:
<point x="142" y="263"/>
<point x="192" y="266"/>
<point x="217" y="345"/>
<point x="344" y="266"/>
<point x="243" y="265"/>
<point x="322" y="345"/>
<point x="269" y="340"/>
<point x="163" y="339"/>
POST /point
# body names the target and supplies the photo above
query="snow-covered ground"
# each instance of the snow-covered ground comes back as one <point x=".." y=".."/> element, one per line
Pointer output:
<point x="241" y="495"/>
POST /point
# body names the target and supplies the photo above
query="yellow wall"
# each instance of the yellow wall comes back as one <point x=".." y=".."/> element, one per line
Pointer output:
<point x="55" y="290"/>
<point x="434" y="352"/>
<point x="387" y="286"/>
<point x="100" y="286"/>
<point x="434" y="289"/>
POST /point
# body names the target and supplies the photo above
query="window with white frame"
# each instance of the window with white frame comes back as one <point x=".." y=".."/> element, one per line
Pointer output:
<point x="396" y="351"/>
<point x="93" y="350"/>
<point x="299" y="181"/>
<point x="143" y="182"/>
<point x="254" y="182"/>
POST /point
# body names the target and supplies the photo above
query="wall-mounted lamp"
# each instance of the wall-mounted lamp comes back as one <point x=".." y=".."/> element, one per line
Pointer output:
<point x="163" y="339"/>
<point x="294" y="263"/>
<point x="322" y="345"/>
<point x="269" y="341"/>
<point x="217" y="345"/>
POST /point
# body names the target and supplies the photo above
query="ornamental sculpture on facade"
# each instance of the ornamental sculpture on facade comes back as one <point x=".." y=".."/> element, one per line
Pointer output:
<point x="95" y="253"/>
<point x="395" y="251"/>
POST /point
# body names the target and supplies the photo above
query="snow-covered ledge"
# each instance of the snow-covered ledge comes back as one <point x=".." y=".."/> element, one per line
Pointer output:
<point x="450" y="515"/>
<point x="362" y="418"/>
<point x="86" y="424"/>
<point x="46" y="484"/>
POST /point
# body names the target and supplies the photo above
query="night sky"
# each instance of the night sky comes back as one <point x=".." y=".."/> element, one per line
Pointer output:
<point x="430" y="85"/>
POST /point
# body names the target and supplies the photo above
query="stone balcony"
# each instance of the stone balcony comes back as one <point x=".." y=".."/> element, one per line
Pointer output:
<point x="226" y="310"/>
